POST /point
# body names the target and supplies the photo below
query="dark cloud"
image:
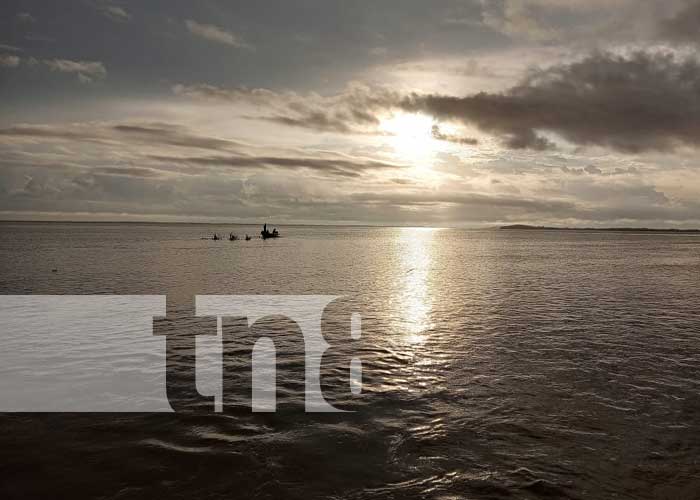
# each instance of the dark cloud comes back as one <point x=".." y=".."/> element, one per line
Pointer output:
<point x="641" y="102"/>
<point x="47" y="132"/>
<point x="163" y="134"/>
<point x="593" y="170"/>
<point x="174" y="135"/>
<point x="129" y="171"/>
<point x="439" y="135"/>
<point x="332" y="166"/>
<point x="317" y="120"/>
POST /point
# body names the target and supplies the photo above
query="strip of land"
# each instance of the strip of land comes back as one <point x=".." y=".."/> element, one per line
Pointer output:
<point x="526" y="227"/>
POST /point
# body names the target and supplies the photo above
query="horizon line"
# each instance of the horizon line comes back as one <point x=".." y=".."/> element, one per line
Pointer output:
<point x="495" y="226"/>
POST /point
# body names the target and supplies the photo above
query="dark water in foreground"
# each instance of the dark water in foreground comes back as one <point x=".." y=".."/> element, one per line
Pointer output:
<point x="496" y="365"/>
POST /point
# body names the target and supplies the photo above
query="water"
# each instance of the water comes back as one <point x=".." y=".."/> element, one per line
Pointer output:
<point x="497" y="364"/>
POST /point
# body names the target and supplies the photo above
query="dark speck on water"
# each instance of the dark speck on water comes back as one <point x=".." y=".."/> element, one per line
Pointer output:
<point x="497" y="364"/>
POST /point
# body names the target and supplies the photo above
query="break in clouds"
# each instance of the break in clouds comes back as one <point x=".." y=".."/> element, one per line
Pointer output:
<point x="453" y="113"/>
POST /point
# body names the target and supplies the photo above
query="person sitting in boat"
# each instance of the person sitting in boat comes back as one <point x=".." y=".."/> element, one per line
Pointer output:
<point x="267" y="234"/>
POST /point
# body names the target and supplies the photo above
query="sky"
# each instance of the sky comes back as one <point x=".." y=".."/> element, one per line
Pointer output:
<point x="451" y="113"/>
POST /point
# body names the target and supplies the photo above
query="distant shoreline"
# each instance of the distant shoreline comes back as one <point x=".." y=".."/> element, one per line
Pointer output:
<point x="526" y="227"/>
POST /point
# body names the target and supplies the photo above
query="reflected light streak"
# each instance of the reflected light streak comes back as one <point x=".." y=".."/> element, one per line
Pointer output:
<point x="416" y="299"/>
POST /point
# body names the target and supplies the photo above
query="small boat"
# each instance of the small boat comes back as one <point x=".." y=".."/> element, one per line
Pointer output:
<point x="265" y="234"/>
<point x="216" y="237"/>
<point x="232" y="237"/>
<point x="247" y="238"/>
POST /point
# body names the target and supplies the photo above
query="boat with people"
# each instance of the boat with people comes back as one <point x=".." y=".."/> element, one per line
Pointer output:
<point x="265" y="233"/>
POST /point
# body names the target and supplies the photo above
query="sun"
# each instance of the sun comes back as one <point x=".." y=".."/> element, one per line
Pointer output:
<point x="416" y="140"/>
<point x="411" y="135"/>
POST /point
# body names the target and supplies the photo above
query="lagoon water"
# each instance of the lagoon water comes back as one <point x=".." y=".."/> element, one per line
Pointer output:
<point x="496" y="364"/>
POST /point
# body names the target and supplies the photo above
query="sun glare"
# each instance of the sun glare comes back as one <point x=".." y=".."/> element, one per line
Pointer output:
<point x="411" y="136"/>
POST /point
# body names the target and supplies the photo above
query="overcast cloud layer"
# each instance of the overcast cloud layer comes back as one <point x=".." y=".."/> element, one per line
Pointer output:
<point x="449" y="113"/>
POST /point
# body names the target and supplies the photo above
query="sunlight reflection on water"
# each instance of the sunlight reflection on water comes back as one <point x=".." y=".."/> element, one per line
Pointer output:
<point x="415" y="249"/>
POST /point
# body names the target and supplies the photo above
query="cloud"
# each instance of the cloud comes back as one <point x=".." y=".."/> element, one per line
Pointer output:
<point x="173" y="135"/>
<point x="635" y="102"/>
<point x="117" y="13"/>
<point x="215" y="34"/>
<point x="378" y="51"/>
<point x="87" y="71"/>
<point x="153" y="134"/>
<point x="9" y="61"/>
<point x="135" y="168"/>
<point x="518" y="19"/>
<point x="593" y="170"/>
<point x="110" y="10"/>
<point x="567" y="21"/>
<point x="159" y="138"/>
<point x="467" y="141"/>
<point x="334" y="165"/>
<point x="10" y="48"/>
<point x="464" y="199"/>
<point x="128" y="171"/>
<point x="630" y="103"/>
<point x="352" y="111"/>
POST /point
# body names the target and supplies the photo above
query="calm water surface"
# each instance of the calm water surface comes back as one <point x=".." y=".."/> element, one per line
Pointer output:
<point x="497" y="364"/>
